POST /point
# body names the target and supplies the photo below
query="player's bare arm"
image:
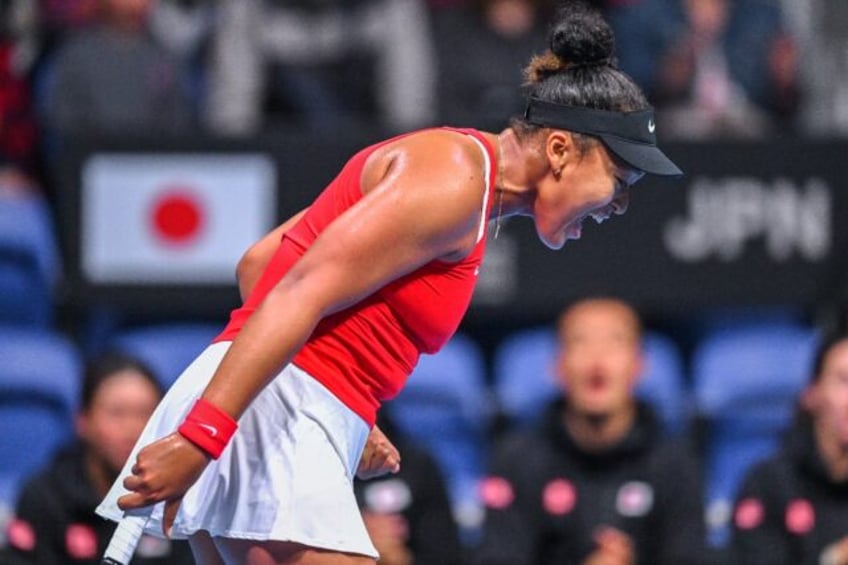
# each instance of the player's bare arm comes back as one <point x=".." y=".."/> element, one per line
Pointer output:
<point x="254" y="260"/>
<point x="420" y="210"/>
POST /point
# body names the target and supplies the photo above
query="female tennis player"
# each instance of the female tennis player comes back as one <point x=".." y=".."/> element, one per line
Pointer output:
<point x="252" y="452"/>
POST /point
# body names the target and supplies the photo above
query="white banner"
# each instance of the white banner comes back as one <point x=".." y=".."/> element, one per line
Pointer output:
<point x="173" y="218"/>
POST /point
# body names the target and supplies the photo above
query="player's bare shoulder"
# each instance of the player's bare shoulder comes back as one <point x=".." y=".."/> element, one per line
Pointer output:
<point x="447" y="157"/>
<point x="435" y="182"/>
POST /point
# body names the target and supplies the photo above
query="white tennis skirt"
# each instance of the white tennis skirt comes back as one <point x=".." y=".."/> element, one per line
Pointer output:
<point x="287" y="473"/>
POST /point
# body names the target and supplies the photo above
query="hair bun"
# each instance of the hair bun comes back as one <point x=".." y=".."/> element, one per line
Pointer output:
<point x="580" y="36"/>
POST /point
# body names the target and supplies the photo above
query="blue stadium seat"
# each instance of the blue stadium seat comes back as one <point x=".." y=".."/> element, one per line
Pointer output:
<point x="29" y="261"/>
<point x="166" y="348"/>
<point x="524" y="375"/>
<point x="445" y="407"/>
<point x="40" y="374"/>
<point x="525" y="380"/>
<point x="663" y="382"/>
<point x="747" y="379"/>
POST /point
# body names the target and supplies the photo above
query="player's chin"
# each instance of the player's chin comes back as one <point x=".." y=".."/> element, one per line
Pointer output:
<point x="557" y="239"/>
<point x="555" y="243"/>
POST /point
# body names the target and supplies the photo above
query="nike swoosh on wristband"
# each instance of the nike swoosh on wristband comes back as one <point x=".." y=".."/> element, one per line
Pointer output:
<point x="213" y="431"/>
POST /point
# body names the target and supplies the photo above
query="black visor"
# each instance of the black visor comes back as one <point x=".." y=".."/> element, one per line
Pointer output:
<point x="631" y="136"/>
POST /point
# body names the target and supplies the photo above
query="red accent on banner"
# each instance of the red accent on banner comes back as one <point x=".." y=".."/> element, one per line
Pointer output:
<point x="177" y="217"/>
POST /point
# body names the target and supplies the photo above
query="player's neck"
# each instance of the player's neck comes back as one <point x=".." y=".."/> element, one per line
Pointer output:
<point x="511" y="180"/>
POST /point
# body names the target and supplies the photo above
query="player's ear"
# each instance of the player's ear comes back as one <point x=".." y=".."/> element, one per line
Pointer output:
<point x="560" y="148"/>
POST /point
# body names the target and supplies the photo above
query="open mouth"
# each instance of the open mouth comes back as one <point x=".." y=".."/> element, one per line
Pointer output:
<point x="600" y="217"/>
<point x="597" y="383"/>
<point x="574" y="229"/>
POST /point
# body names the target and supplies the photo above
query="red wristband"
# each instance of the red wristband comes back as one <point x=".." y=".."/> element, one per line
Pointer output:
<point x="208" y="427"/>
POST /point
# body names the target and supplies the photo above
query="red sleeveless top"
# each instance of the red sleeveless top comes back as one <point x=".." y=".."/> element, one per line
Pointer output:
<point x="365" y="353"/>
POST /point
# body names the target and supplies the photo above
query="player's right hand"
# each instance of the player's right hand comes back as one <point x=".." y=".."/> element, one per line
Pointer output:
<point x="163" y="471"/>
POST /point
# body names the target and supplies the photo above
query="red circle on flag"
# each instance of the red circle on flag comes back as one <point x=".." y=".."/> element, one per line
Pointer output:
<point x="800" y="516"/>
<point x="177" y="217"/>
<point x="559" y="497"/>
<point x="749" y="513"/>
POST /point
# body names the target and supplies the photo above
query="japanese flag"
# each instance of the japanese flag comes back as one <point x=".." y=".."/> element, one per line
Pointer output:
<point x="172" y="218"/>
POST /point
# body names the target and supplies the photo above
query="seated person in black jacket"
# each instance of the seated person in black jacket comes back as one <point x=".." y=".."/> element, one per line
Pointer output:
<point x="408" y="514"/>
<point x="793" y="507"/>
<point x="597" y="484"/>
<point x="55" y="521"/>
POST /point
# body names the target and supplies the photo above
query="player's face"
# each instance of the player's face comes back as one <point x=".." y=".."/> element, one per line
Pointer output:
<point x="828" y="396"/>
<point x="118" y="412"/>
<point x="600" y="357"/>
<point x="594" y="185"/>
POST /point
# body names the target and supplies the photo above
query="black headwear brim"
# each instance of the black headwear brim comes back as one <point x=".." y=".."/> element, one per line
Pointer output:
<point x="629" y="135"/>
<point x="648" y="158"/>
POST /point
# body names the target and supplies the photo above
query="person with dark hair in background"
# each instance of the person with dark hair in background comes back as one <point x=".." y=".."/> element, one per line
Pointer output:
<point x="728" y="69"/>
<point x="114" y="77"/>
<point x="481" y="48"/>
<point x="793" y="507"/>
<point x="320" y="63"/>
<point x="408" y="514"/>
<point x="342" y="299"/>
<point x="596" y="484"/>
<point x="55" y="523"/>
<point x="18" y="129"/>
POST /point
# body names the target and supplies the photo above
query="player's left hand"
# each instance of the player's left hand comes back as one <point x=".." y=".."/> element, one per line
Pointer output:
<point x="379" y="457"/>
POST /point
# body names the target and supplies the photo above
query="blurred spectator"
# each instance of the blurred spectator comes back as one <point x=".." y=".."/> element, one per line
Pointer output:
<point x="435" y="5"/>
<point x="182" y="26"/>
<point x="482" y="48"/>
<point x="185" y="28"/>
<point x="643" y="31"/>
<point x="408" y="514"/>
<point x="55" y="521"/>
<point x="59" y="16"/>
<point x="17" y="120"/>
<point x="596" y="484"/>
<point x="54" y="21"/>
<point x="720" y="67"/>
<point x="820" y="26"/>
<point x="114" y="77"/>
<point x="319" y="62"/>
<point x="793" y="507"/>
<point x="14" y="182"/>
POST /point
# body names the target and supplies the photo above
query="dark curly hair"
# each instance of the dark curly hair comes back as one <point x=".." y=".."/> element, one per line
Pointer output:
<point x="580" y="68"/>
